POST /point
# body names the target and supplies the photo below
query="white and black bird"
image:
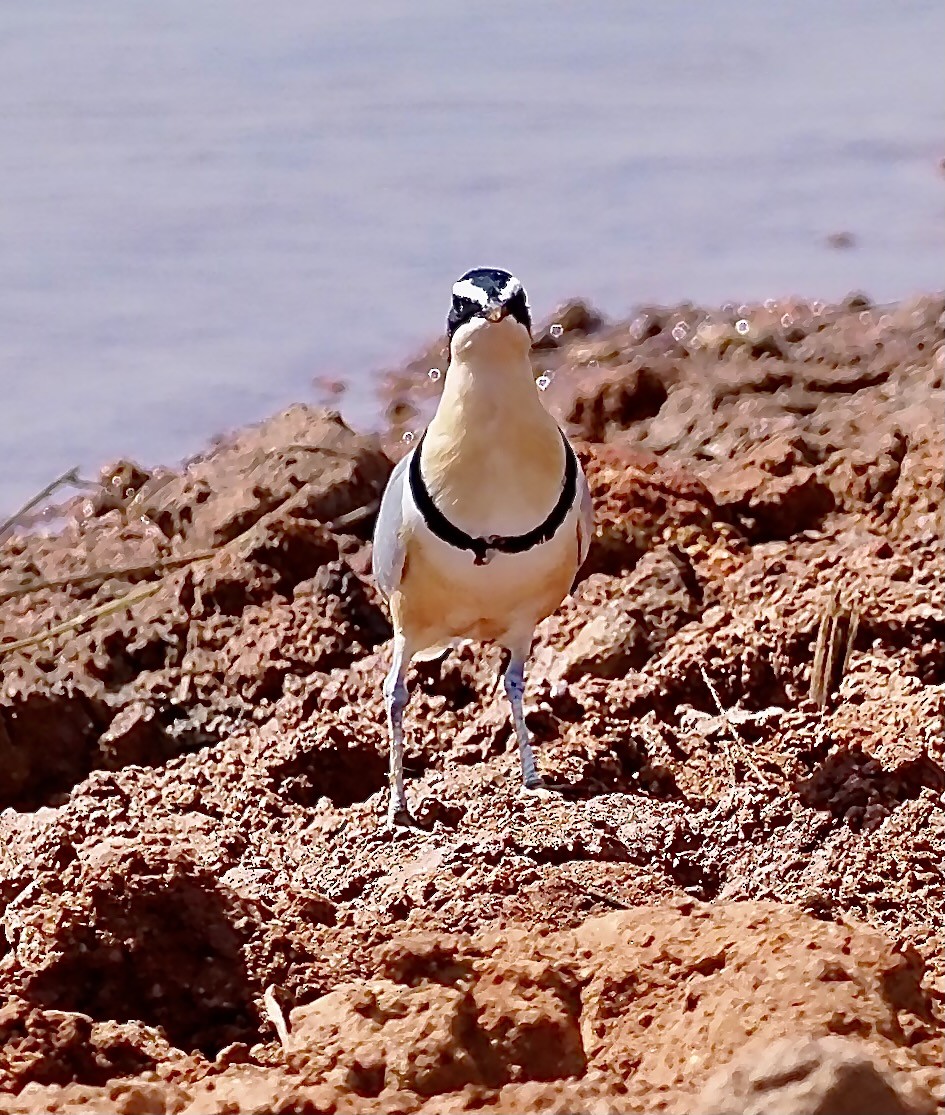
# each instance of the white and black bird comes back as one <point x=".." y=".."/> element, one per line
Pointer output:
<point x="485" y="523"/>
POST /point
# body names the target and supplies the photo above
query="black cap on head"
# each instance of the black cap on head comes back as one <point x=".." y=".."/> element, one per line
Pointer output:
<point x="488" y="292"/>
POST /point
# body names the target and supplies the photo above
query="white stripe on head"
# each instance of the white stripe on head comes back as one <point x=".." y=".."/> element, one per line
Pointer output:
<point x="466" y="288"/>
<point x="511" y="288"/>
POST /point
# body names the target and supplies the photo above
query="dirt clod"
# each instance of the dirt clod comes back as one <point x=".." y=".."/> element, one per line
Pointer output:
<point x="810" y="1076"/>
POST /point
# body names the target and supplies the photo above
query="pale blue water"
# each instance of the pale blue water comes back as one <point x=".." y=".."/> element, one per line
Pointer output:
<point x="205" y="205"/>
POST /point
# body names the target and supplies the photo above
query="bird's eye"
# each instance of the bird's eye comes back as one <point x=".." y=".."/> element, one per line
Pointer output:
<point x="464" y="307"/>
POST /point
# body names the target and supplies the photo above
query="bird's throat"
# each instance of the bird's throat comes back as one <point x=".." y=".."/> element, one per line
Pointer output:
<point x="492" y="456"/>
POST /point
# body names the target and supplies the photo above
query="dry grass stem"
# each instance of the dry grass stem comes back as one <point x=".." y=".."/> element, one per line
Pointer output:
<point x="116" y="605"/>
<point x="357" y="514"/>
<point x="835" y="637"/>
<point x="70" y="477"/>
<point x="100" y="575"/>
<point x="733" y="734"/>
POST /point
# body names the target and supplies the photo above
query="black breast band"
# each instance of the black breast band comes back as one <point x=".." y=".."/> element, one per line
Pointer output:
<point x="501" y="543"/>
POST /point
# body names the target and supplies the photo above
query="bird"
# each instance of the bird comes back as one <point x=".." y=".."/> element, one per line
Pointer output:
<point x="485" y="523"/>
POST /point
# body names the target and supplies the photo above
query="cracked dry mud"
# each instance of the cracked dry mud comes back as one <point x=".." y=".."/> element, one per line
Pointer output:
<point x="735" y="901"/>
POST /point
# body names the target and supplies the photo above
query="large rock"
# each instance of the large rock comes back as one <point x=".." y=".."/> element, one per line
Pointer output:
<point x="660" y="596"/>
<point x="306" y="461"/>
<point x="775" y="489"/>
<point x="810" y="1076"/>
<point x="639" y="502"/>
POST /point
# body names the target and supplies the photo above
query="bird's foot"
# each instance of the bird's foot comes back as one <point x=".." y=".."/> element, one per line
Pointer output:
<point x="535" y="788"/>
<point x="400" y="821"/>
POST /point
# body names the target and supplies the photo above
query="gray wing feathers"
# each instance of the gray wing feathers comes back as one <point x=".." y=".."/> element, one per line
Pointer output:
<point x="387" y="560"/>
<point x="586" y="509"/>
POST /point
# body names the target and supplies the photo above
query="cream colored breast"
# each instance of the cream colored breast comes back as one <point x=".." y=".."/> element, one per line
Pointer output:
<point x="494" y="469"/>
<point x="443" y="595"/>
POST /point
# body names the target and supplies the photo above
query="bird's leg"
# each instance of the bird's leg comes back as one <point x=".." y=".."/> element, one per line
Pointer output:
<point x="515" y="689"/>
<point x="395" y="698"/>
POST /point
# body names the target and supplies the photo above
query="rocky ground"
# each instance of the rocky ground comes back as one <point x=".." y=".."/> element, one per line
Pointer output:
<point x="735" y="899"/>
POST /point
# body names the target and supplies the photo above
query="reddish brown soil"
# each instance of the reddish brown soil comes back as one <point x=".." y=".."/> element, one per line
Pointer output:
<point x="737" y="905"/>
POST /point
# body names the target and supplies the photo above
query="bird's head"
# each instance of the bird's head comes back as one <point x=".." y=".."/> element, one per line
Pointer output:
<point x="489" y="313"/>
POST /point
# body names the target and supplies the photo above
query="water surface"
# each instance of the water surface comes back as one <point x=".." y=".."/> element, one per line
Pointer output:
<point x="205" y="206"/>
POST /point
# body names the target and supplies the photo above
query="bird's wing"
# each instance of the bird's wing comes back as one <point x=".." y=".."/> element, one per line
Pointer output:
<point x="387" y="559"/>
<point x="586" y="512"/>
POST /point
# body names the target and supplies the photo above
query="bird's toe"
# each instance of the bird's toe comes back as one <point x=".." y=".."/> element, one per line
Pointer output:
<point x="536" y="791"/>
<point x="401" y="821"/>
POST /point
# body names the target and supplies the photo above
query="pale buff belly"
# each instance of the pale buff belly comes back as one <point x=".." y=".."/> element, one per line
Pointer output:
<point x="501" y="602"/>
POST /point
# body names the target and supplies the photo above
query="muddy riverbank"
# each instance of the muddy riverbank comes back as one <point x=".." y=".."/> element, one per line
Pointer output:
<point x="192" y="850"/>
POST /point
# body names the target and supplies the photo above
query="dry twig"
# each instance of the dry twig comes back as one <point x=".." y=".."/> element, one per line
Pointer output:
<point x="301" y="447"/>
<point x="137" y="595"/>
<point x="70" y="477"/>
<point x="733" y="735"/>
<point x="117" y="605"/>
<point x="604" y="899"/>
<point x="101" y="575"/>
<point x="356" y="516"/>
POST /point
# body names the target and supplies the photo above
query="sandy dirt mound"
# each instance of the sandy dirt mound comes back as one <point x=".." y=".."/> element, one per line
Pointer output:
<point x="636" y="1009"/>
<point x="192" y="759"/>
